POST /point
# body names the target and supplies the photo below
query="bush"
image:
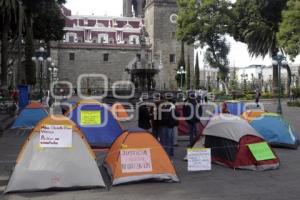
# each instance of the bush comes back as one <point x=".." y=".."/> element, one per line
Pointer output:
<point x="293" y="103"/>
<point x="267" y="95"/>
<point x="296" y="92"/>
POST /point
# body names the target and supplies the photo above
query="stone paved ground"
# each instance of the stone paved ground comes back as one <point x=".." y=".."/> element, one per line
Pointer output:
<point x="220" y="183"/>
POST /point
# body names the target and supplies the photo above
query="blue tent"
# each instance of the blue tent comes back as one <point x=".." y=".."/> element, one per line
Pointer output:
<point x="275" y="130"/>
<point x="96" y="122"/>
<point x="234" y="108"/>
<point x="30" y="116"/>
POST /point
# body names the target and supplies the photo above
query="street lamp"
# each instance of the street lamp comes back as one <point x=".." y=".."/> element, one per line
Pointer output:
<point x="41" y="56"/>
<point x="244" y="77"/>
<point x="181" y="72"/>
<point x="279" y="60"/>
<point x="52" y="70"/>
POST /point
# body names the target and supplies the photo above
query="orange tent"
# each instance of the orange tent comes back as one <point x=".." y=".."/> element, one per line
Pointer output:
<point x="250" y="115"/>
<point x="137" y="156"/>
<point x="119" y="111"/>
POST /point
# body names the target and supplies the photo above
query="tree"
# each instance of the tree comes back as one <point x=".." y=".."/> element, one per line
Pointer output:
<point x="289" y="29"/>
<point x="35" y="12"/>
<point x="197" y="73"/>
<point x="256" y="22"/>
<point x="48" y="26"/>
<point x="206" y="21"/>
<point x="8" y="16"/>
<point x="188" y="73"/>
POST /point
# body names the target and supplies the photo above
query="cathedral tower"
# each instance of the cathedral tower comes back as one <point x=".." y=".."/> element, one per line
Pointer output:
<point x="133" y="8"/>
<point x="160" y="21"/>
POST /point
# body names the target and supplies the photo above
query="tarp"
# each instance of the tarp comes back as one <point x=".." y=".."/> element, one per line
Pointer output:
<point x="23" y="96"/>
<point x="96" y="122"/>
<point x="136" y="156"/>
<point x="234" y="108"/>
<point x="41" y="168"/>
<point x="30" y="116"/>
<point x="119" y="111"/>
<point x="276" y="130"/>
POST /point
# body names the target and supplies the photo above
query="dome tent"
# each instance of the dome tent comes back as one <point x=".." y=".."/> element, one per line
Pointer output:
<point x="55" y="167"/>
<point x="231" y="138"/>
<point x="136" y="156"/>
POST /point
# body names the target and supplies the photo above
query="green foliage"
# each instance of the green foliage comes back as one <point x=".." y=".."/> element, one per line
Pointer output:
<point x="48" y="26"/>
<point x="296" y="92"/>
<point x="293" y="103"/>
<point x="289" y="31"/>
<point x="233" y="84"/>
<point x="207" y="22"/>
<point x="197" y="73"/>
<point x="267" y="95"/>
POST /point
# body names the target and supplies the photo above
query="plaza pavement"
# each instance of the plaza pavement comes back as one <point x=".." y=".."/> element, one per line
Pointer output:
<point x="220" y="183"/>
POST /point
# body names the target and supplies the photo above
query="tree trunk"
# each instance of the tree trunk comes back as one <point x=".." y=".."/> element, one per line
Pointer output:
<point x="4" y="52"/>
<point x="289" y="79"/>
<point x="30" y="69"/>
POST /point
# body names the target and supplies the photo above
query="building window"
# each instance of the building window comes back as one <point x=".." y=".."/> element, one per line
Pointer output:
<point x="105" y="57"/>
<point x="103" y="38"/>
<point x="71" y="56"/>
<point x="172" y="58"/>
<point x="134" y="39"/>
<point x="173" y="35"/>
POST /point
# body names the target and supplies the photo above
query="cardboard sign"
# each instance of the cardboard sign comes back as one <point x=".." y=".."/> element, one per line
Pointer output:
<point x="90" y="118"/>
<point x="136" y="160"/>
<point x="199" y="159"/>
<point x="261" y="151"/>
<point x="56" y="136"/>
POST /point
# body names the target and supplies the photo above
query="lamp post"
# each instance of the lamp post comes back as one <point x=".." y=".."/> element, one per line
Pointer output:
<point x="53" y="70"/>
<point x="181" y="72"/>
<point x="41" y="56"/>
<point x="279" y="60"/>
<point x="244" y="77"/>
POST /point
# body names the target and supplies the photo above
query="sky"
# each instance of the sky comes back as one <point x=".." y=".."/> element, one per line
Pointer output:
<point x="96" y="7"/>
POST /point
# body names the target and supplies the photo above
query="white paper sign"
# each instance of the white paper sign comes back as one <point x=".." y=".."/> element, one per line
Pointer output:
<point x="136" y="160"/>
<point x="56" y="136"/>
<point x="199" y="159"/>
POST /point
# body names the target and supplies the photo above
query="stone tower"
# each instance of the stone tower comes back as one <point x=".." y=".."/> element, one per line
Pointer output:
<point x="133" y="8"/>
<point x="160" y="21"/>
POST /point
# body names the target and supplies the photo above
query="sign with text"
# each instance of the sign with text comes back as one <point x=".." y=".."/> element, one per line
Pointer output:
<point x="90" y="117"/>
<point x="261" y="151"/>
<point x="199" y="159"/>
<point x="136" y="160"/>
<point x="56" y="136"/>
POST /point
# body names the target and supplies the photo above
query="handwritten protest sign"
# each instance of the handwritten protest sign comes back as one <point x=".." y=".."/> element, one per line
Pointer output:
<point x="136" y="160"/>
<point x="90" y="118"/>
<point x="261" y="151"/>
<point x="199" y="159"/>
<point x="56" y="136"/>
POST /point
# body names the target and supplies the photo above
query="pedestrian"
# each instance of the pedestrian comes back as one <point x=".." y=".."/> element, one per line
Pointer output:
<point x="192" y="111"/>
<point x="257" y="97"/>
<point x="168" y="122"/>
<point x="175" y="129"/>
<point x="64" y="107"/>
<point x="156" y="122"/>
<point x="144" y="116"/>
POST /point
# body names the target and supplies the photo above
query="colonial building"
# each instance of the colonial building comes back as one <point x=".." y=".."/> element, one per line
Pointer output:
<point x="112" y="45"/>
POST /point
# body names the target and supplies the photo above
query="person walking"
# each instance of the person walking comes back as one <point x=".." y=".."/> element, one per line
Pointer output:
<point x="168" y="122"/>
<point x="144" y="116"/>
<point x="192" y="111"/>
<point x="257" y="97"/>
